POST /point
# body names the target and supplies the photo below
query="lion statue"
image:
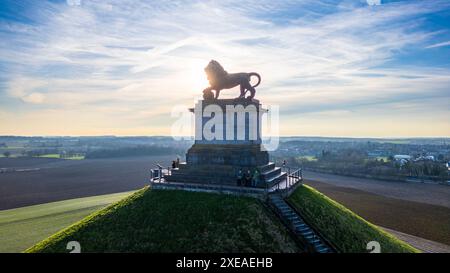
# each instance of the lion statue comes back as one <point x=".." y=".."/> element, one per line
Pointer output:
<point x="220" y="79"/>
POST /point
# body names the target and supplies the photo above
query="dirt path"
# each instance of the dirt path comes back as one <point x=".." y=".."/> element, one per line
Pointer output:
<point x="421" y="244"/>
<point x="423" y="193"/>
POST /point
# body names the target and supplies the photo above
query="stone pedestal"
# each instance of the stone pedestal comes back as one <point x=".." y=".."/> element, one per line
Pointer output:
<point x="227" y="140"/>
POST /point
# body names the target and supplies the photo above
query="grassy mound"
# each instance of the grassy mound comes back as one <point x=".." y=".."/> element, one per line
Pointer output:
<point x="346" y="230"/>
<point x="176" y="221"/>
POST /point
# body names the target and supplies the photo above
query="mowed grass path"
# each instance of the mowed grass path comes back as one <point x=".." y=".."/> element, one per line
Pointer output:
<point x="23" y="227"/>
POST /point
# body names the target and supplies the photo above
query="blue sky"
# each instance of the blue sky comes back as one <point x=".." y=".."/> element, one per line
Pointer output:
<point x="335" y="68"/>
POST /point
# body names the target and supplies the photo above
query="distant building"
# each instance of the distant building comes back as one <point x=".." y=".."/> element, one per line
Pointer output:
<point x="425" y="158"/>
<point x="402" y="157"/>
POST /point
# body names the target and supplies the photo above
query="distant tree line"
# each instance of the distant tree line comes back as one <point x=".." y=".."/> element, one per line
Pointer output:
<point x="356" y="162"/>
<point x="132" y="151"/>
<point x="40" y="152"/>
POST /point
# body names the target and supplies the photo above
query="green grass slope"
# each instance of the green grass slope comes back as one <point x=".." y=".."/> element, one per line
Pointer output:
<point x="23" y="227"/>
<point x="176" y="221"/>
<point x="346" y="230"/>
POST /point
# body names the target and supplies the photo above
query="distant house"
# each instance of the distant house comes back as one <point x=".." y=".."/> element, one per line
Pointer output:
<point x="426" y="158"/>
<point x="402" y="157"/>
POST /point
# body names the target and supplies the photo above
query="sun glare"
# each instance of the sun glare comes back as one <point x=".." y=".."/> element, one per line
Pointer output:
<point x="196" y="76"/>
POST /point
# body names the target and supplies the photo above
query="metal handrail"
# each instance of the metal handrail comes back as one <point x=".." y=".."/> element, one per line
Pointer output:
<point x="292" y="179"/>
<point x="160" y="173"/>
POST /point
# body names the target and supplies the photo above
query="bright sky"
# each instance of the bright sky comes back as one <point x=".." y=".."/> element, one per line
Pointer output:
<point x="118" y="67"/>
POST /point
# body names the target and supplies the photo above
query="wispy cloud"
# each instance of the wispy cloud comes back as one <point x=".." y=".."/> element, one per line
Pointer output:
<point x="142" y="58"/>
<point x="439" y="44"/>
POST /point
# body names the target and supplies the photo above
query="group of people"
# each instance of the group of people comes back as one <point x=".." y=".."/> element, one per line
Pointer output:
<point x="248" y="179"/>
<point x="244" y="178"/>
<point x="176" y="163"/>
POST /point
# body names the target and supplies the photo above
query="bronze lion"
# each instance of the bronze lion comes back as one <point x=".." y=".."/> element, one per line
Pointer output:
<point x="220" y="79"/>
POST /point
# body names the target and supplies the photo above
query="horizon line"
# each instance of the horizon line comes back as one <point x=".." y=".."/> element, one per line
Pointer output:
<point x="284" y="136"/>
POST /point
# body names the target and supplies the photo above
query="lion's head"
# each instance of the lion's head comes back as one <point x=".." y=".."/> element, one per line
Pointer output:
<point x="214" y="71"/>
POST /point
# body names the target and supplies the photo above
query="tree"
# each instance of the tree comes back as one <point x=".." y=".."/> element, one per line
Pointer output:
<point x="7" y="154"/>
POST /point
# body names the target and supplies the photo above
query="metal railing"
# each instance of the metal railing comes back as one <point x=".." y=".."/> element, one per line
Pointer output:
<point x="283" y="187"/>
<point x="292" y="179"/>
<point x="157" y="175"/>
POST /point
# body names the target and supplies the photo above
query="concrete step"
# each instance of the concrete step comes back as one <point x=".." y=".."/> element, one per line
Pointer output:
<point x="303" y="229"/>
<point x="310" y="238"/>
<point x="281" y="206"/>
<point x="323" y="249"/>
<point x="299" y="225"/>
<point x="276" y="179"/>
<point x="279" y="202"/>
<point x="317" y="243"/>
<point x="267" y="167"/>
<point x="289" y="214"/>
<point x="307" y="233"/>
<point x="271" y="173"/>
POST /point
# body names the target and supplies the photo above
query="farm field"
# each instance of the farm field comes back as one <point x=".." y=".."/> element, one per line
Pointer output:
<point x="415" y="218"/>
<point x="75" y="157"/>
<point x="52" y="179"/>
<point x="23" y="227"/>
<point x="432" y="194"/>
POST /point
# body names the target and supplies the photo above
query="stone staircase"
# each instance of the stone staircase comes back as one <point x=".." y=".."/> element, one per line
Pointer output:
<point x="271" y="174"/>
<point x="298" y="226"/>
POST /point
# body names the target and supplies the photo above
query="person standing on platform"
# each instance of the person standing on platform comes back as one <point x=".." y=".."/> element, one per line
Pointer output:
<point x="255" y="179"/>
<point x="240" y="178"/>
<point x="248" y="178"/>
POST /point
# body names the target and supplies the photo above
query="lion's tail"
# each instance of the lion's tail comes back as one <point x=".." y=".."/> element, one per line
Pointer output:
<point x="257" y="75"/>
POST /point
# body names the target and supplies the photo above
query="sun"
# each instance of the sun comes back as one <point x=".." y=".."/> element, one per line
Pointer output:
<point x="196" y="76"/>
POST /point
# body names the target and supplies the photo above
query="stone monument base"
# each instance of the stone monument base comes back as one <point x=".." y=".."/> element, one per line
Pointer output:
<point x="220" y="164"/>
<point x="231" y="145"/>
